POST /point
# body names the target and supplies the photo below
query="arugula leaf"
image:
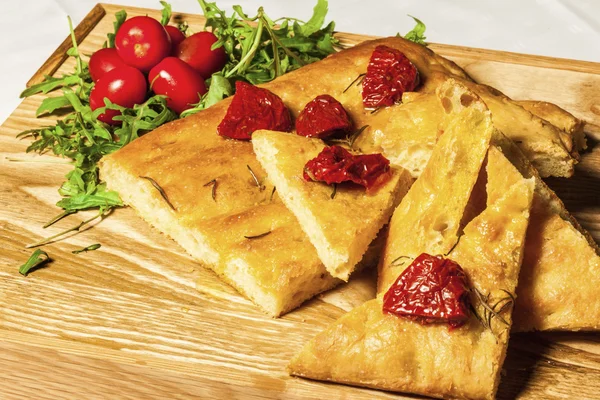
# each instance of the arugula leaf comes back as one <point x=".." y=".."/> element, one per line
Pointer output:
<point x="120" y="17"/>
<point x="50" y="84"/>
<point x="218" y="89"/>
<point x="91" y="247"/>
<point x="50" y="104"/>
<point x="36" y="260"/>
<point x="316" y="21"/>
<point x="166" y="13"/>
<point x="99" y="197"/>
<point x="417" y="34"/>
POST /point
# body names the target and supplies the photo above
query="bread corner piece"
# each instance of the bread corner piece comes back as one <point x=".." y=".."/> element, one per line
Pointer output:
<point x="370" y="348"/>
<point x="340" y="227"/>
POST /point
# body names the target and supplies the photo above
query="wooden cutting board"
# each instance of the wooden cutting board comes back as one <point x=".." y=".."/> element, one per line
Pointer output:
<point x="139" y="319"/>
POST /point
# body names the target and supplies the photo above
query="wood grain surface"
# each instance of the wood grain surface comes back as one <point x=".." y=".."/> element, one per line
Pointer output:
<point x="139" y="319"/>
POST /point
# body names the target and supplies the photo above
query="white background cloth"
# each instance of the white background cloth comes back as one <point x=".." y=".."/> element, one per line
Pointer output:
<point x="32" y="29"/>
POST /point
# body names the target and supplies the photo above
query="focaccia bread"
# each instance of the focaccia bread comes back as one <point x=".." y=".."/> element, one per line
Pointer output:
<point x="561" y="267"/>
<point x="368" y="347"/>
<point x="560" y="118"/>
<point x="341" y="227"/>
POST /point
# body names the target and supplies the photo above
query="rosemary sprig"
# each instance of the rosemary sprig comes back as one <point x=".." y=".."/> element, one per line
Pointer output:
<point x="160" y="190"/>
<point x="91" y="247"/>
<point x="355" y="81"/>
<point x="376" y="109"/>
<point x="334" y="192"/>
<point x="100" y="214"/>
<point x="492" y="311"/>
<point x="37" y="259"/>
<point x="258" y="236"/>
<point x="272" y="193"/>
<point x="213" y="191"/>
<point x="260" y="186"/>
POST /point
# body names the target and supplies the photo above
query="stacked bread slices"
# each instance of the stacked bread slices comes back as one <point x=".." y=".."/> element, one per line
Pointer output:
<point x="369" y="347"/>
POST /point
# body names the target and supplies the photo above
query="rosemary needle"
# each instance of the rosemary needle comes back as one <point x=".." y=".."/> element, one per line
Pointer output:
<point x="257" y="236"/>
<point x="160" y="190"/>
<point x="213" y="191"/>
<point x="395" y="262"/>
<point x="354" y="81"/>
<point x="256" y="181"/>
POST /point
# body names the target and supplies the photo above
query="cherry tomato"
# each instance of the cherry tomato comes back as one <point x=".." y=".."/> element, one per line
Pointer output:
<point x="195" y="50"/>
<point x="125" y="86"/>
<point x="176" y="37"/>
<point x="102" y="61"/>
<point x="182" y="84"/>
<point x="142" y="42"/>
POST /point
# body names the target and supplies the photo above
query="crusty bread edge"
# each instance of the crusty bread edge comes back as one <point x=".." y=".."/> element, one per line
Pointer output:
<point x="514" y="154"/>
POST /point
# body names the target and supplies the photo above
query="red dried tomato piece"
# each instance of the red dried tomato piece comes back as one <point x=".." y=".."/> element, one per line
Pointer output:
<point x="336" y="165"/>
<point x="323" y="117"/>
<point x="432" y="289"/>
<point x="389" y="74"/>
<point x="251" y="109"/>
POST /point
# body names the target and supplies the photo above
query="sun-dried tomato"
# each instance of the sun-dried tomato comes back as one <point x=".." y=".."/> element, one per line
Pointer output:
<point x="432" y="289"/>
<point x="335" y="164"/>
<point x="251" y="109"/>
<point x="389" y="74"/>
<point x="322" y="117"/>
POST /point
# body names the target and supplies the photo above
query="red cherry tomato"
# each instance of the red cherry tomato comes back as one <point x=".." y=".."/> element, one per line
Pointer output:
<point x="102" y="61"/>
<point x="195" y="50"/>
<point x="182" y="84"/>
<point x="142" y="42"/>
<point x="125" y="86"/>
<point x="176" y="37"/>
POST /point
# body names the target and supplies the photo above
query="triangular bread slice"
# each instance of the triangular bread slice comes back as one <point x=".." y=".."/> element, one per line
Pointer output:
<point x="430" y="214"/>
<point x="560" y="276"/>
<point x="340" y="226"/>
<point x="370" y="348"/>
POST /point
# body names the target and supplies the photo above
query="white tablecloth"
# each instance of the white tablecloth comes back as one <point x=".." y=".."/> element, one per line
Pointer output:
<point x="32" y="29"/>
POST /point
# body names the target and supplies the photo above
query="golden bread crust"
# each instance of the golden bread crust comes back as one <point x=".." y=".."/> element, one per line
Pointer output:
<point x="340" y="241"/>
<point x="560" y="118"/>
